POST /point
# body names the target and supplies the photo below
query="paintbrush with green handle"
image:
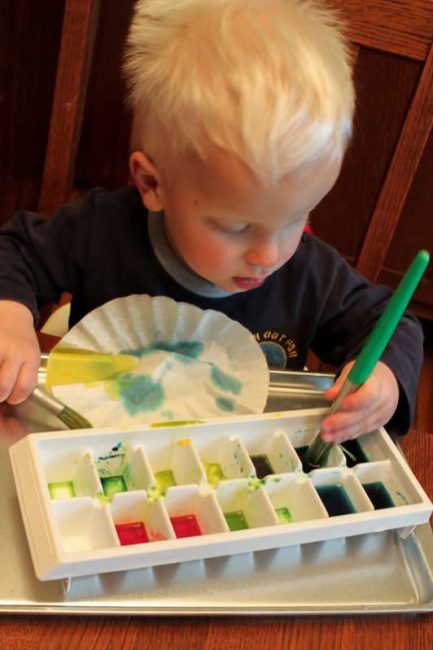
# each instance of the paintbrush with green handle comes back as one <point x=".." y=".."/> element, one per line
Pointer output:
<point x="317" y="452"/>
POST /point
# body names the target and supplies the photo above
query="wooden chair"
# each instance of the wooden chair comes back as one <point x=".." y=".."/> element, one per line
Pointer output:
<point x="399" y="28"/>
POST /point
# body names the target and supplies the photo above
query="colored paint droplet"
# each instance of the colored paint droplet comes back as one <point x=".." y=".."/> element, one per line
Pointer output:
<point x="262" y="465"/>
<point x="226" y="382"/>
<point x="335" y="499"/>
<point x="284" y="515"/>
<point x="113" y="484"/>
<point x="134" y="533"/>
<point x="164" y="479"/>
<point x="378" y="495"/>
<point x="353" y="452"/>
<point x="61" y="490"/>
<point x="214" y="473"/>
<point x="185" y="526"/>
<point x="236" y="520"/>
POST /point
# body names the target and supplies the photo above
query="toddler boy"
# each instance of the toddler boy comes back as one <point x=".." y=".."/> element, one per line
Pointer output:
<point x="242" y="111"/>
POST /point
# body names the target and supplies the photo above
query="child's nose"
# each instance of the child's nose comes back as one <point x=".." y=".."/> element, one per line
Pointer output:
<point x="264" y="252"/>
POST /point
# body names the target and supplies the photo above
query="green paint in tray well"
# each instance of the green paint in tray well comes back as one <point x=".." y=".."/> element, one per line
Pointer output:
<point x="164" y="479"/>
<point x="236" y="520"/>
<point x="61" y="490"/>
<point x="214" y="473"/>
<point x="113" y="484"/>
<point x="284" y="515"/>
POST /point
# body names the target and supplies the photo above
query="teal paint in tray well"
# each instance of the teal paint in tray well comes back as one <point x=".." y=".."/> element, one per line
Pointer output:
<point x="378" y="495"/>
<point x="335" y="499"/>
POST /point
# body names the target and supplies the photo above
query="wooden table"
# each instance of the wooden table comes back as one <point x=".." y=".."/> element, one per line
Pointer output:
<point x="264" y="633"/>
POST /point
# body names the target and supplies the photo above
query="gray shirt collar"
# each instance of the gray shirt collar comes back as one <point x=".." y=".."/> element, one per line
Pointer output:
<point x="174" y="265"/>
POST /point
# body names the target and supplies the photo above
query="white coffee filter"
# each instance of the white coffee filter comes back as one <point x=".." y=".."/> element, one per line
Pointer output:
<point x="191" y="364"/>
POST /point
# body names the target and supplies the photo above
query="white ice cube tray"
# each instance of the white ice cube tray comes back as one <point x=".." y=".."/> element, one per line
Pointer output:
<point x="216" y="484"/>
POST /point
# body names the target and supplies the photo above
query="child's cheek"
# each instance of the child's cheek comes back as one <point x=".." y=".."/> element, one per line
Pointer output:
<point x="211" y="255"/>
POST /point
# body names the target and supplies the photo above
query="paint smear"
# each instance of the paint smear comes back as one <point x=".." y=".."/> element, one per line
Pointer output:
<point x="378" y="495"/>
<point x="176" y="423"/>
<point x="284" y="516"/>
<point x="134" y="533"/>
<point x="185" y="526"/>
<point x="262" y="465"/>
<point x="186" y="351"/>
<point x="164" y="479"/>
<point x="61" y="490"/>
<point x="138" y="393"/>
<point x="335" y="499"/>
<point x="113" y="484"/>
<point x="74" y="365"/>
<point x="226" y="382"/>
<point x="236" y="520"/>
<point x="225" y="404"/>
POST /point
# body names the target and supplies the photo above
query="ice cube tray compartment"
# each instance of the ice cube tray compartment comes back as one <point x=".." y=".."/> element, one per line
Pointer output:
<point x="175" y="463"/>
<point x="273" y="454"/>
<point x="199" y="491"/>
<point x="383" y="478"/>
<point x="340" y="491"/>
<point x="294" y="498"/>
<point x="224" y="458"/>
<point x="128" y="508"/>
<point x="191" y="508"/>
<point x="72" y="475"/>
<point x="250" y="505"/>
<point x="83" y="525"/>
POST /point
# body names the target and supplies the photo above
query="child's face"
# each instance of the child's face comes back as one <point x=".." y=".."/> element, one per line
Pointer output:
<point x="229" y="228"/>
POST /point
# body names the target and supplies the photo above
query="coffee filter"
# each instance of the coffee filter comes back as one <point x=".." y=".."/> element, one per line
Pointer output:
<point x="189" y="364"/>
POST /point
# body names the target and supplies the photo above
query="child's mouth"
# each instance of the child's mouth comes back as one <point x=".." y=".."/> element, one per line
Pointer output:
<point x="248" y="283"/>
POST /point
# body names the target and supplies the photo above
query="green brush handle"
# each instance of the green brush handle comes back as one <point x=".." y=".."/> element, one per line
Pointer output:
<point x="385" y="326"/>
<point x="317" y="452"/>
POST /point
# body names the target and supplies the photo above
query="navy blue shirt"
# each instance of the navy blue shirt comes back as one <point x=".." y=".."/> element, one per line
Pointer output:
<point x="99" y="248"/>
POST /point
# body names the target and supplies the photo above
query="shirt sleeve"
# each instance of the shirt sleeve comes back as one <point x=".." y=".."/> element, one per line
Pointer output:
<point x="40" y="258"/>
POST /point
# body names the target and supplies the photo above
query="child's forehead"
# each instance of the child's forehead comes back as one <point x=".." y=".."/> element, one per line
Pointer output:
<point x="224" y="184"/>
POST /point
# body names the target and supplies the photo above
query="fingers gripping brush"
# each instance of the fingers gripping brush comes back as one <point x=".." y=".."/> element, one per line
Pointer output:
<point x="317" y="453"/>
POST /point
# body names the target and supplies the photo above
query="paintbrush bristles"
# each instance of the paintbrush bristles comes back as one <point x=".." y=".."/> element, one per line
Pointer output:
<point x="317" y="453"/>
<point x="73" y="420"/>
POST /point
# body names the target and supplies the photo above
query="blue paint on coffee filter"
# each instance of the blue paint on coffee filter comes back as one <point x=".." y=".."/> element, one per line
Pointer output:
<point x="226" y="382"/>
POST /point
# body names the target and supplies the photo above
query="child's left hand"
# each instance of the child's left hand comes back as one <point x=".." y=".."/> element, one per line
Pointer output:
<point x="371" y="406"/>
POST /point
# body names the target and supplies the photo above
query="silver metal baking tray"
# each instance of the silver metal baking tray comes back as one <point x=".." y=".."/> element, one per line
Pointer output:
<point x="375" y="573"/>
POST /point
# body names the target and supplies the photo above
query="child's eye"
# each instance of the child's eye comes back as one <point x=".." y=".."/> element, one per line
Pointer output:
<point x="232" y="229"/>
<point x="237" y="229"/>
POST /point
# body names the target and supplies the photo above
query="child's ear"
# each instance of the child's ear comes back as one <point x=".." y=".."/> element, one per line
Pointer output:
<point x="147" y="178"/>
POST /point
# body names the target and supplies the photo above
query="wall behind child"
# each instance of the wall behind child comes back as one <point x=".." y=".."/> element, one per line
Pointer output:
<point x="379" y="213"/>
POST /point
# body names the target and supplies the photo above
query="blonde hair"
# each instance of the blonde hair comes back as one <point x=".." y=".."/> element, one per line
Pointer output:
<point x="267" y="80"/>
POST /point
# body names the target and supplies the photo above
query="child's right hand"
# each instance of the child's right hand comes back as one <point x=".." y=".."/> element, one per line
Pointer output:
<point x="19" y="352"/>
